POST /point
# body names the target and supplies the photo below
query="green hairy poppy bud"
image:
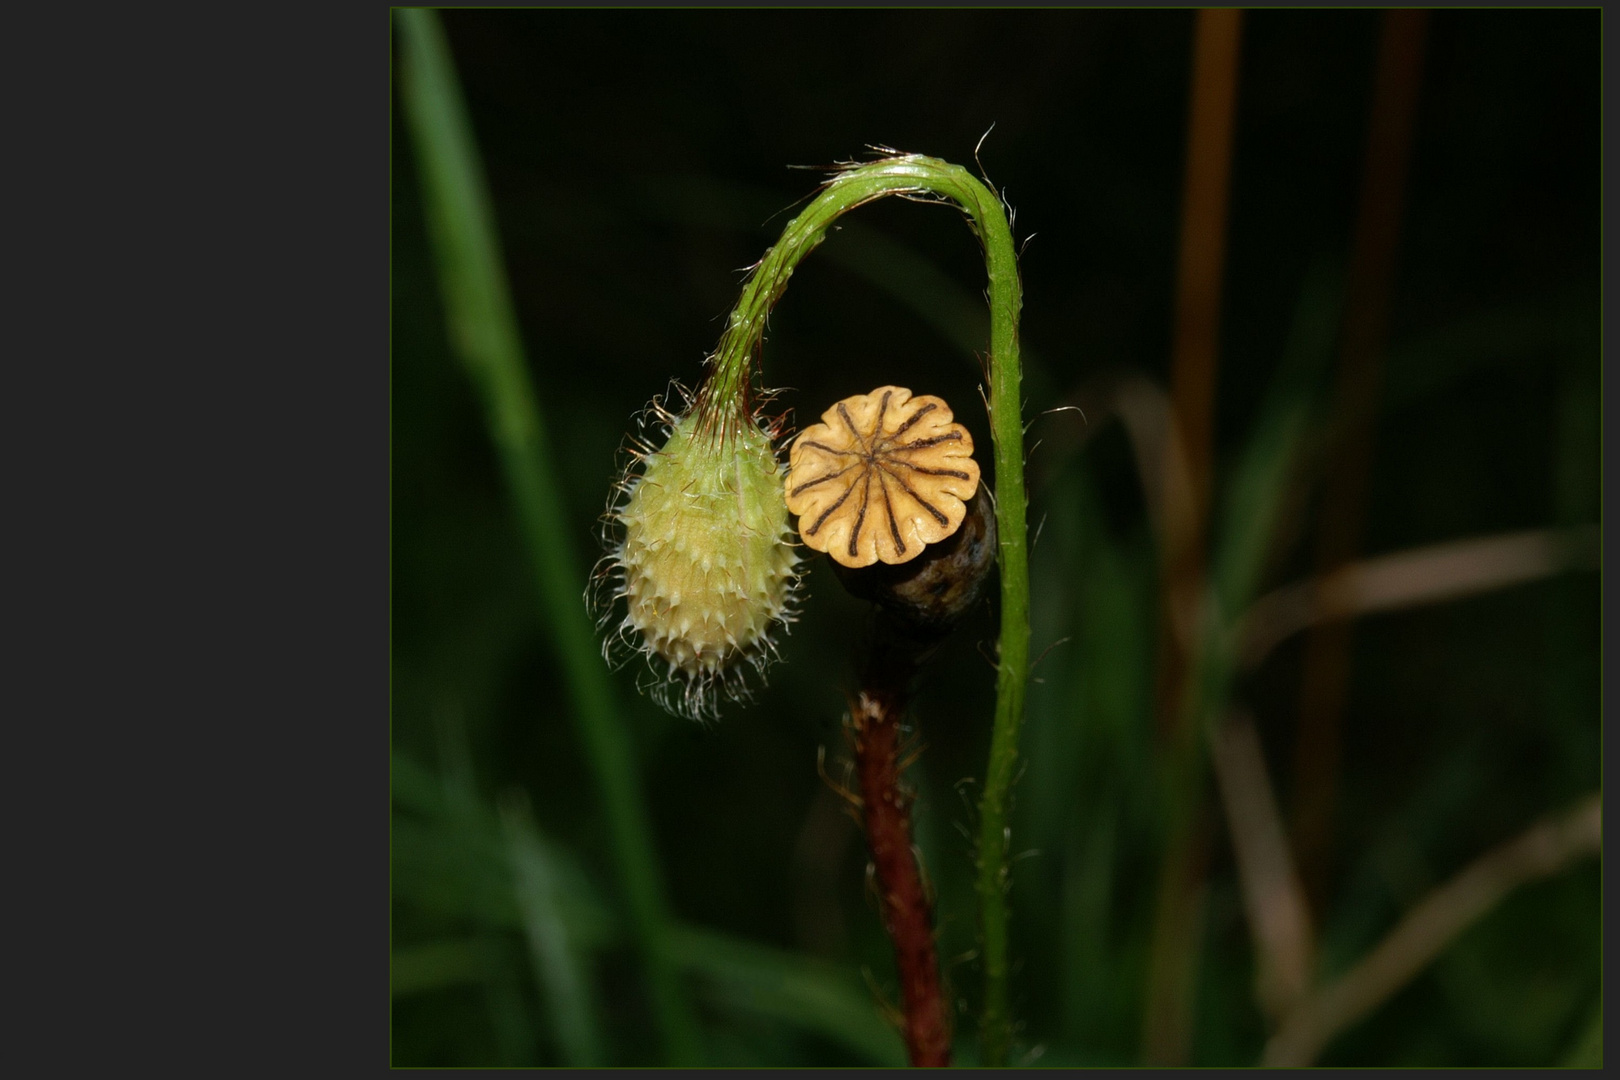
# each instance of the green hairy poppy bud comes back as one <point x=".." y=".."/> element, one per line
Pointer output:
<point x="705" y="562"/>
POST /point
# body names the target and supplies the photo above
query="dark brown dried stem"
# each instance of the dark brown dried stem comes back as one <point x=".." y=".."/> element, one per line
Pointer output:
<point x="918" y="603"/>
<point x="875" y="736"/>
<point x="1168" y="1009"/>
<point x="1325" y="679"/>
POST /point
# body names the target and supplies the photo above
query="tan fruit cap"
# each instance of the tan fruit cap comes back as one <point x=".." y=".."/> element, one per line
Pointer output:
<point x="881" y="477"/>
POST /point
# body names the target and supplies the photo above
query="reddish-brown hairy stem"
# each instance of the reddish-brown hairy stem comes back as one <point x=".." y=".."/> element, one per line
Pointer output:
<point x="875" y="737"/>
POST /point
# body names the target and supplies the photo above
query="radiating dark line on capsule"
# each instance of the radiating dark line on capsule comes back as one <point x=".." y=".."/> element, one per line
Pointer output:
<point x="883" y="410"/>
<point x="931" y="472"/>
<point x="924" y="503"/>
<point x="811" y="531"/>
<point x="954" y="436"/>
<point x="829" y="449"/>
<point x="894" y="527"/>
<point x="860" y="519"/>
<point x="851" y="424"/>
<point x="916" y="416"/>
<point x="808" y="484"/>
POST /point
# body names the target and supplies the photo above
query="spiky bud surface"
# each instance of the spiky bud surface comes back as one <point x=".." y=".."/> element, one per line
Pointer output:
<point x="706" y="564"/>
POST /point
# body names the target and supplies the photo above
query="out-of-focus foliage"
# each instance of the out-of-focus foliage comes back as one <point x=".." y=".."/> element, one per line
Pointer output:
<point x="637" y="162"/>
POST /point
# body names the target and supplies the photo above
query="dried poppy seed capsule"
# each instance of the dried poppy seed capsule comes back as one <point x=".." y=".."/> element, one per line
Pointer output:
<point x="931" y="593"/>
<point x="706" y="565"/>
<point x="881" y="477"/>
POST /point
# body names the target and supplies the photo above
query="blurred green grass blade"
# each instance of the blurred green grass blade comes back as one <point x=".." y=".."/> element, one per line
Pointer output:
<point x="446" y="857"/>
<point x="1427" y="364"/>
<point x="1090" y="977"/>
<point x="414" y="787"/>
<point x="443" y="872"/>
<point x="1244" y="537"/>
<point x="559" y="966"/>
<point x="793" y="989"/>
<point x="1253" y="503"/>
<point x="1587" y="1053"/>
<point x="420" y="969"/>
<point x="452" y="862"/>
<point x="483" y="333"/>
<point x="1089" y="712"/>
<point x="1263" y="479"/>
<point x="455" y="863"/>
<point x="1254" y="496"/>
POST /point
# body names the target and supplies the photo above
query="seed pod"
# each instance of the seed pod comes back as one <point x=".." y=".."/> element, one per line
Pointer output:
<point x="706" y="564"/>
<point x="887" y="487"/>
<point x="881" y="477"/>
<point x="930" y="594"/>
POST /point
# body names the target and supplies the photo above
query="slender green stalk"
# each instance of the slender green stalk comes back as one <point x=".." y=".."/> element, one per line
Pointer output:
<point x="925" y="178"/>
<point x="555" y="957"/>
<point x="484" y="334"/>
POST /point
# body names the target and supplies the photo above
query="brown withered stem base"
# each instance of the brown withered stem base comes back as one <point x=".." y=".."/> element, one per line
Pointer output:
<point x="875" y="736"/>
<point x="918" y="602"/>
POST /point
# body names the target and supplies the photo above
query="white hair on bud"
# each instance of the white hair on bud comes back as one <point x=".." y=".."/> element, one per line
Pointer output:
<point x="702" y="556"/>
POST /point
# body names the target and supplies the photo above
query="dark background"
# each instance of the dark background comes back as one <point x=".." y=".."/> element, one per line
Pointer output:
<point x="639" y="160"/>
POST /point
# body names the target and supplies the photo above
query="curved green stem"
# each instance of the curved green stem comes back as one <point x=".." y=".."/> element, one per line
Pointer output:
<point x="925" y="178"/>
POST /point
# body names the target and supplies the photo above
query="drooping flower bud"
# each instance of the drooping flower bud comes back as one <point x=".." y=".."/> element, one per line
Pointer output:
<point x="705" y="561"/>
